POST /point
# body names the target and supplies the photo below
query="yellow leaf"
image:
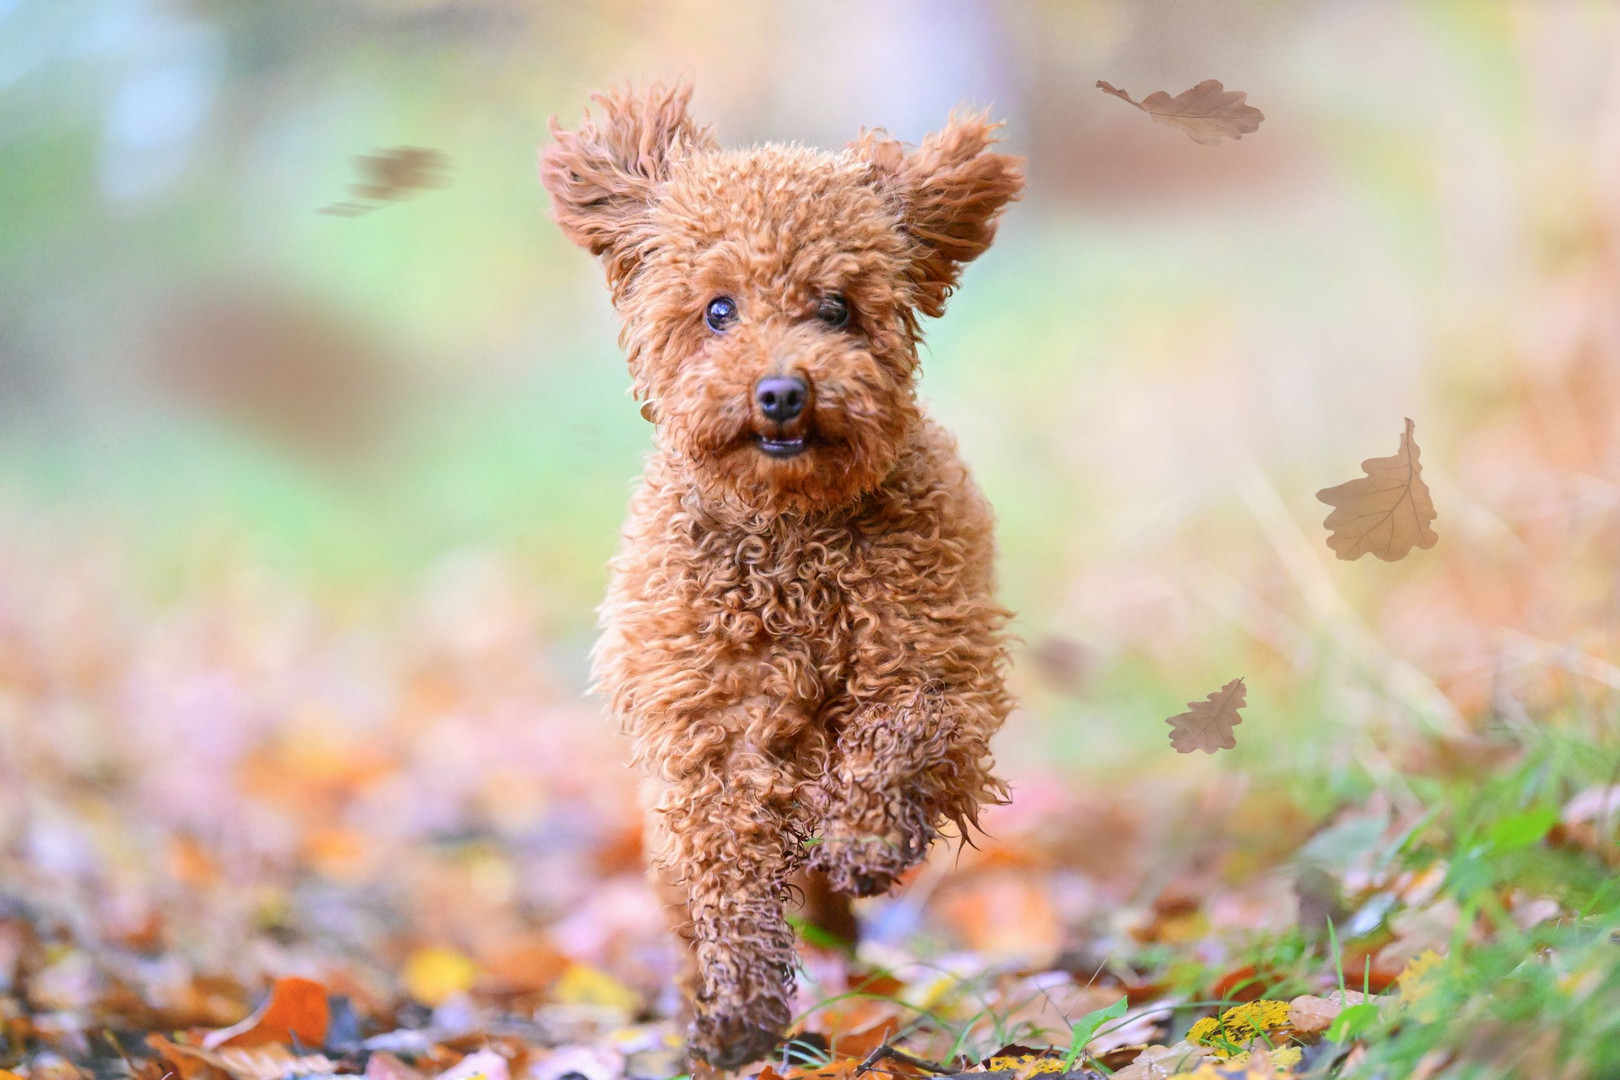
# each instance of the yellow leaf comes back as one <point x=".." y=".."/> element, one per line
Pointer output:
<point x="1418" y="982"/>
<point x="1266" y="1063"/>
<point x="582" y="984"/>
<point x="1207" y="725"/>
<point x="434" y="975"/>
<point x="1239" y="1025"/>
<point x="1387" y="512"/>
<point x="1247" y="1021"/>
<point x="1207" y="113"/>
<point x="1024" y="1064"/>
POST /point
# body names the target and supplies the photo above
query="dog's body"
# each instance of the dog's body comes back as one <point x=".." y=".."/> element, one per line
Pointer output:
<point x="801" y="634"/>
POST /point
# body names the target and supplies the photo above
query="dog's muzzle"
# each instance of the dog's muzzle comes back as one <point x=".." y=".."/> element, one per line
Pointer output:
<point x="783" y="447"/>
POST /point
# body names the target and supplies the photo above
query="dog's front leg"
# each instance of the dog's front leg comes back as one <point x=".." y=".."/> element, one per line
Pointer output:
<point x="722" y="843"/>
<point x="905" y="763"/>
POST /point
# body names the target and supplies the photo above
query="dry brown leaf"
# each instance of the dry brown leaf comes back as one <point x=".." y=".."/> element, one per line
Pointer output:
<point x="1387" y="512"/>
<point x="1208" y="112"/>
<point x="271" y="1061"/>
<point x="1308" y="1013"/>
<point x="1208" y="724"/>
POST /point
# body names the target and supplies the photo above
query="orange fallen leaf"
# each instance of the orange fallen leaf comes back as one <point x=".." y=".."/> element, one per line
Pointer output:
<point x="1208" y="112"/>
<point x="296" y="1012"/>
<point x="1208" y="724"/>
<point x="1387" y="512"/>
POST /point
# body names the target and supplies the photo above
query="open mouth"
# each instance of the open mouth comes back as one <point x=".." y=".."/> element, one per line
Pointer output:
<point x="782" y="448"/>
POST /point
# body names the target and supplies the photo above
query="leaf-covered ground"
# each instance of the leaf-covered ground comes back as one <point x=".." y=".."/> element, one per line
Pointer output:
<point x="414" y="850"/>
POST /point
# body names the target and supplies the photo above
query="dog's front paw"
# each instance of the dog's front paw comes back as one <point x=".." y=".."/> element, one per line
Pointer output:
<point x="868" y="865"/>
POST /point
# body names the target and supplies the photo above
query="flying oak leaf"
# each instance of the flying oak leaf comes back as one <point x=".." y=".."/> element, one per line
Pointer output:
<point x="1387" y="512"/>
<point x="1208" y="112"/>
<point x="1208" y="724"/>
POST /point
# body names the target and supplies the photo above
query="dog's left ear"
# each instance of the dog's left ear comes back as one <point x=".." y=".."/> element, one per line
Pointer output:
<point x="950" y="191"/>
<point x="603" y="175"/>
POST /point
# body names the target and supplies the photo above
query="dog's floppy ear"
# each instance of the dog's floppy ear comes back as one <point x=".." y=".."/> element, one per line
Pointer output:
<point x="950" y="191"/>
<point x="603" y="175"/>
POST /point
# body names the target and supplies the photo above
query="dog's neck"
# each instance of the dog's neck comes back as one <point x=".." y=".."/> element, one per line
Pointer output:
<point x="717" y="509"/>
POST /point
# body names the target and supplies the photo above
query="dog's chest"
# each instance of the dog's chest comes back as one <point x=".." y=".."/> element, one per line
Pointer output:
<point x="788" y="584"/>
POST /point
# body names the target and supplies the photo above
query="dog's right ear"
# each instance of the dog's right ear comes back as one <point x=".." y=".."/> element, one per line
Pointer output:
<point x="603" y="176"/>
<point x="949" y="192"/>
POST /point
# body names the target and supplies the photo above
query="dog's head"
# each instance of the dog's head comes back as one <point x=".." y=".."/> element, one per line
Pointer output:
<point x="771" y="296"/>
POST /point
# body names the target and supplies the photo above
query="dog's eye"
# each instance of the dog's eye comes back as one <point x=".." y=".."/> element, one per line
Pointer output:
<point x="833" y="310"/>
<point x="720" y="314"/>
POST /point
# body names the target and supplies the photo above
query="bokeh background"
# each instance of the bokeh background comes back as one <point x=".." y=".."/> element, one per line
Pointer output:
<point x="306" y="492"/>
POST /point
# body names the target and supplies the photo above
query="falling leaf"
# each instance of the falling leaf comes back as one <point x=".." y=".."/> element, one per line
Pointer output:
<point x="1387" y="512"/>
<point x="1208" y="724"/>
<point x="297" y="1011"/>
<point x="392" y="175"/>
<point x="396" y="173"/>
<point x="1063" y="663"/>
<point x="1208" y="112"/>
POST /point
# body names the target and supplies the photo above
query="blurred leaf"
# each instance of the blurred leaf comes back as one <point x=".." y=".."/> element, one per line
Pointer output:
<point x="582" y="984"/>
<point x="1353" y="1022"/>
<point x="297" y="1012"/>
<point x="434" y="975"/>
<point x="1419" y="982"/>
<point x="1342" y="845"/>
<point x="1081" y="1031"/>
<point x="1520" y="830"/>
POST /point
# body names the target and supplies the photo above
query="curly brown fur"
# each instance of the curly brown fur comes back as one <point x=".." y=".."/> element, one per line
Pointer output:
<point x="807" y="649"/>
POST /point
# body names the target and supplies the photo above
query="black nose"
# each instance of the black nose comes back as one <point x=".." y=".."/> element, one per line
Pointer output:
<point x="781" y="397"/>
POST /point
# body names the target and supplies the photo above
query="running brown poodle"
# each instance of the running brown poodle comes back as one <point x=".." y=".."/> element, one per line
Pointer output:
<point x="802" y="633"/>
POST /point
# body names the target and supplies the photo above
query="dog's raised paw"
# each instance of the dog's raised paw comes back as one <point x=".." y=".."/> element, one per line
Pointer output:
<point x="866" y="866"/>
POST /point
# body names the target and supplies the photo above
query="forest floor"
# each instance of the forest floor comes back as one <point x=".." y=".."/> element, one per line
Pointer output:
<point x="247" y="839"/>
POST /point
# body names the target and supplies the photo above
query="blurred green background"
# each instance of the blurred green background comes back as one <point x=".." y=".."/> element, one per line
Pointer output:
<point x="1170" y="348"/>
